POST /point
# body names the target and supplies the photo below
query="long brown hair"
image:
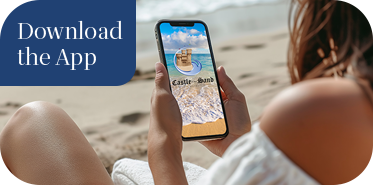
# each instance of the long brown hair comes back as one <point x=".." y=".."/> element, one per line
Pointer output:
<point x="322" y="28"/>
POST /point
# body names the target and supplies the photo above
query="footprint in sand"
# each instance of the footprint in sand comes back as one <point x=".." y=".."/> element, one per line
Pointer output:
<point x="12" y="104"/>
<point x="132" y="118"/>
<point x="143" y="75"/>
<point x="274" y="82"/>
<point x="227" y="48"/>
<point x="8" y="107"/>
<point x="254" y="46"/>
<point x="247" y="75"/>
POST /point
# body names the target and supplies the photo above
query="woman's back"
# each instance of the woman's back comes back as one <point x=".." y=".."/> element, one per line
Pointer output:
<point x="325" y="126"/>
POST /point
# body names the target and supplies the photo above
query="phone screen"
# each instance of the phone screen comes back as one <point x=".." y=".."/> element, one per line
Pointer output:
<point x="193" y="80"/>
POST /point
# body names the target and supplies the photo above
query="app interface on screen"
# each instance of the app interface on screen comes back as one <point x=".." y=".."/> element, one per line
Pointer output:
<point x="193" y="80"/>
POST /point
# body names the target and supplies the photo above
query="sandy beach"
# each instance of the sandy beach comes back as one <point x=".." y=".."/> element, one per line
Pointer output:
<point x="115" y="120"/>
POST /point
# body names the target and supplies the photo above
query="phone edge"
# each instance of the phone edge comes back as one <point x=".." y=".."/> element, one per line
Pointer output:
<point x="162" y="59"/>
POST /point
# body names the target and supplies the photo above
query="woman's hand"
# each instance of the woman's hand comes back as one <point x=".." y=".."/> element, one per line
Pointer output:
<point x="165" y="117"/>
<point x="164" y="137"/>
<point x="237" y="115"/>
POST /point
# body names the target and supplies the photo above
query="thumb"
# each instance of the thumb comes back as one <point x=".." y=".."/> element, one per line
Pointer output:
<point x="161" y="77"/>
<point x="226" y="83"/>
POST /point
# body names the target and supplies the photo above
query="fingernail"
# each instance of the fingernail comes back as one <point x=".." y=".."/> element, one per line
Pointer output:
<point x="222" y="69"/>
<point x="158" y="67"/>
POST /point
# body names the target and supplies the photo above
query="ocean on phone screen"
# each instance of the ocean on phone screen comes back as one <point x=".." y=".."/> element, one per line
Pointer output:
<point x="205" y="59"/>
<point x="198" y="99"/>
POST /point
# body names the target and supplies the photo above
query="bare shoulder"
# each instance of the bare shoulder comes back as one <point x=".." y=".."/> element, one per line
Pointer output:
<point x="322" y="100"/>
<point x="324" y="126"/>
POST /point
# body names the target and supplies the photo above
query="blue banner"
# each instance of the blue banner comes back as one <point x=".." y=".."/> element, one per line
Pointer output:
<point x="69" y="43"/>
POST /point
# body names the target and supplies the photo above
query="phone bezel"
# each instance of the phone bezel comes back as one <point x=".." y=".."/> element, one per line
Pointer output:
<point x="162" y="58"/>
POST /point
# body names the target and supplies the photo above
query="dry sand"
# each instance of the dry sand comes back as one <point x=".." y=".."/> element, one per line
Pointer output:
<point x="115" y="119"/>
<point x="217" y="127"/>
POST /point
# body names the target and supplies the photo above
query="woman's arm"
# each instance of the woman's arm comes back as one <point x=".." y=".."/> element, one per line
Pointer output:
<point x="164" y="138"/>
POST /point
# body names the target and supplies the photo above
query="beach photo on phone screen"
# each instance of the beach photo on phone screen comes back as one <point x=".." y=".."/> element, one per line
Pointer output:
<point x="193" y="80"/>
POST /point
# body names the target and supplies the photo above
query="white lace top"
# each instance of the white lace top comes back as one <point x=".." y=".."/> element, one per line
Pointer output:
<point x="251" y="160"/>
<point x="254" y="159"/>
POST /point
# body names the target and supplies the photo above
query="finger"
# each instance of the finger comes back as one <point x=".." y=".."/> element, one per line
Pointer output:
<point x="223" y="96"/>
<point x="161" y="77"/>
<point x="162" y="93"/>
<point x="226" y="83"/>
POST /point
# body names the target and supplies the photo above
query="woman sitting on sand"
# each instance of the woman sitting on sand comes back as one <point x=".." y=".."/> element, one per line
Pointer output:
<point x="320" y="130"/>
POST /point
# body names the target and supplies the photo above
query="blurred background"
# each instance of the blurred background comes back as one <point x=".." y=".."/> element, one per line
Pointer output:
<point x="225" y="19"/>
<point x="249" y="37"/>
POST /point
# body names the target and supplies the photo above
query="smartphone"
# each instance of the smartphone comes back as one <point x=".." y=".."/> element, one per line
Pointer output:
<point x="184" y="47"/>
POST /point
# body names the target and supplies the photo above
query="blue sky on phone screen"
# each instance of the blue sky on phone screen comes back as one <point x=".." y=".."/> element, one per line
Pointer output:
<point x="176" y="37"/>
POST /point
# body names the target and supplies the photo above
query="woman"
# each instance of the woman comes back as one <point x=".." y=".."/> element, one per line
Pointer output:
<point x="320" y="130"/>
<point x="323" y="125"/>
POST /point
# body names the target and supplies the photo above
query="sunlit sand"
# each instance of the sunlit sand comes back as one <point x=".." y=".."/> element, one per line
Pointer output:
<point x="210" y="128"/>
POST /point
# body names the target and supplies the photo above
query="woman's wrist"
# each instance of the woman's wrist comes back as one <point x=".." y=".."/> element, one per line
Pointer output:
<point x="160" y="140"/>
<point x="165" y="161"/>
<point x="164" y="145"/>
